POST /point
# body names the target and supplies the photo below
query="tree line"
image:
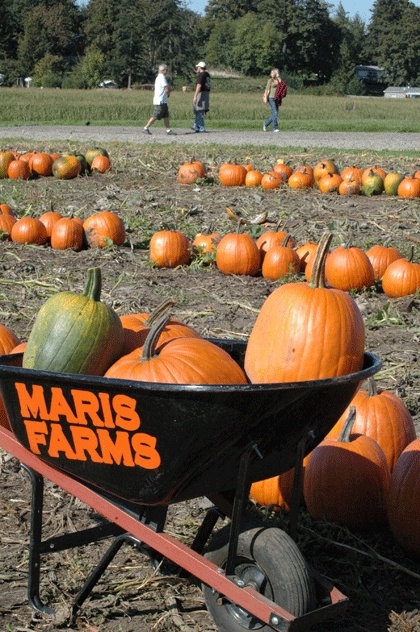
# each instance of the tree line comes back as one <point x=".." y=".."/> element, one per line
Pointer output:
<point x="76" y="44"/>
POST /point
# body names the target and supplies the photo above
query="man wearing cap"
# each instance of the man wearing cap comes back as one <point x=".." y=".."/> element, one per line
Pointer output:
<point x="201" y="99"/>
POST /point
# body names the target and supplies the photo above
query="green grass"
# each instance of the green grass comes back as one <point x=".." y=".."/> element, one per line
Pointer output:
<point x="300" y="112"/>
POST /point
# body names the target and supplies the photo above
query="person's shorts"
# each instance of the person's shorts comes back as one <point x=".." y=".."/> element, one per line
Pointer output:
<point x="160" y="111"/>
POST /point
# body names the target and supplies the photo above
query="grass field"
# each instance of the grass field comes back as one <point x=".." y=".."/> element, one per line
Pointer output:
<point x="300" y="112"/>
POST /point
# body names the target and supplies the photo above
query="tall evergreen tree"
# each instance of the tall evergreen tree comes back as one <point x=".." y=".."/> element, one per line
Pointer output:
<point x="393" y="40"/>
<point x="229" y="9"/>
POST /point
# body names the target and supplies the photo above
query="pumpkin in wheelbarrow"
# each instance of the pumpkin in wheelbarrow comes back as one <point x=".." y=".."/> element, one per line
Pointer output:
<point x="185" y="360"/>
<point x="75" y="333"/>
<point x="306" y="331"/>
<point x="8" y="341"/>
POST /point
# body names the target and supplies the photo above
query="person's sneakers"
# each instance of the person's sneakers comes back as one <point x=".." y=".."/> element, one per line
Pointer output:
<point x="146" y="130"/>
<point x="264" y="128"/>
<point x="170" y="132"/>
<point x="275" y="130"/>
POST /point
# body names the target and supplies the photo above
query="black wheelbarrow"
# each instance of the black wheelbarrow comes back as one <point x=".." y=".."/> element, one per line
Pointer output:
<point x="130" y="449"/>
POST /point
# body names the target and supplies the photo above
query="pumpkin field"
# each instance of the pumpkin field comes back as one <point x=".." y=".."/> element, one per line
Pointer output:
<point x="369" y="561"/>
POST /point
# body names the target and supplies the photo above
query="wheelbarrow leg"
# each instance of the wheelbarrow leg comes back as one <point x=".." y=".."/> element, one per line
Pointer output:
<point x="35" y="536"/>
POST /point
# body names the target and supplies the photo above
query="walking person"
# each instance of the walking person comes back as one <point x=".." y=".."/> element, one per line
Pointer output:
<point x="274" y="92"/>
<point x="160" y="101"/>
<point x="201" y="99"/>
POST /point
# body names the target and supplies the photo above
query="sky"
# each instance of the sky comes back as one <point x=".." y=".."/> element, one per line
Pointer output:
<point x="362" y="7"/>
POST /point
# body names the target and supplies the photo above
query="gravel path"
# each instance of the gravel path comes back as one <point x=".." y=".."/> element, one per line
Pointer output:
<point x="338" y="140"/>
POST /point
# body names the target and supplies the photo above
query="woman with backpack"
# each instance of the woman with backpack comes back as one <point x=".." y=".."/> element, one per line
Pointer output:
<point x="274" y="92"/>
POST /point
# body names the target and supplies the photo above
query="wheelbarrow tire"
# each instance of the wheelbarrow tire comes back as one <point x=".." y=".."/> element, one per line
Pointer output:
<point x="270" y="561"/>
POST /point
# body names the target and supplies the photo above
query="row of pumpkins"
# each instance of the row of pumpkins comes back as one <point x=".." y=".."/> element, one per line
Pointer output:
<point x="78" y="333"/>
<point x="325" y="176"/>
<point x="66" y="166"/>
<point x="63" y="232"/>
<point x="363" y="475"/>
<point x="275" y="256"/>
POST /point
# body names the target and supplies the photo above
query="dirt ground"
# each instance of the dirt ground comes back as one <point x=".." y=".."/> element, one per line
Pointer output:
<point x="383" y="583"/>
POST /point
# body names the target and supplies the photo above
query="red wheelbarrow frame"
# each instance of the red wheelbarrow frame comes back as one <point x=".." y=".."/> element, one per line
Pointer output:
<point x="122" y="521"/>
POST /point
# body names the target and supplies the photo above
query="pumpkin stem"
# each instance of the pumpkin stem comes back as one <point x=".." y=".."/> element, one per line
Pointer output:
<point x="318" y="270"/>
<point x="344" y="436"/>
<point x="159" y="311"/>
<point x="152" y="337"/>
<point x="239" y="226"/>
<point x="93" y="285"/>
<point x="411" y="255"/>
<point x="286" y="240"/>
<point x="349" y="242"/>
<point x="372" y="389"/>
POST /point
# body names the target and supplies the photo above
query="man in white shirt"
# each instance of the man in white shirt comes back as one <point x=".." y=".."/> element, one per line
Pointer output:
<point x="160" y="101"/>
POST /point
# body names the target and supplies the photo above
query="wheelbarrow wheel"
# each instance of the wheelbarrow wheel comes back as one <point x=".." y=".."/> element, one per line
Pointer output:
<point x="269" y="561"/>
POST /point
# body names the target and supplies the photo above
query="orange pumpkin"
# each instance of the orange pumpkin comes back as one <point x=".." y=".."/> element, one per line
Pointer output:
<point x="404" y="499"/>
<point x="237" y="253"/>
<point x="346" y="481"/>
<point x="271" y="180"/>
<point x="169" y="249"/>
<point x="402" y="277"/>
<point x="283" y="169"/>
<point x="6" y="209"/>
<point x="41" y="164"/>
<point x="305" y="252"/>
<point x="178" y="361"/>
<point x="280" y="261"/>
<point x="329" y="183"/>
<point x="137" y="326"/>
<point x="352" y="173"/>
<point x="104" y="228"/>
<point x="6" y="224"/>
<point x="18" y="170"/>
<point x="189" y="172"/>
<point x="205" y="243"/>
<point x="349" y="268"/>
<point x="367" y="173"/>
<point x="68" y="233"/>
<point x="270" y="238"/>
<point x="349" y="187"/>
<point x="286" y="343"/>
<point x="29" y="230"/>
<point x="382" y="416"/>
<point x="380" y="257"/>
<point x="324" y="168"/>
<point x="49" y="218"/>
<point x="231" y="175"/>
<point x="409" y="187"/>
<point x="101" y="164"/>
<point x="301" y="180"/>
<point x="253" y="178"/>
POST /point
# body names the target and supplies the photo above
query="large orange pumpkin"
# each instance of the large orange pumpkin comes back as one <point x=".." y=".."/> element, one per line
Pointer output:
<point x="49" y="218"/>
<point x="137" y="326"/>
<point x="237" y="253"/>
<point x="401" y="278"/>
<point x="346" y="481"/>
<point x="299" y="332"/>
<point x="169" y="249"/>
<point x="270" y="238"/>
<point x="231" y="175"/>
<point x="178" y="361"/>
<point x="349" y="268"/>
<point x="380" y="257"/>
<point x="409" y="187"/>
<point x="18" y="170"/>
<point x="404" y="499"/>
<point x="6" y="158"/>
<point x="68" y="233"/>
<point x="280" y="261"/>
<point x="104" y="228"/>
<point x="29" y="230"/>
<point x="41" y="164"/>
<point x="382" y="416"/>
<point x="324" y="168"/>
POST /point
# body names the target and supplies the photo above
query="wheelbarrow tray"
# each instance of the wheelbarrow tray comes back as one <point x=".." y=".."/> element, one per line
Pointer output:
<point x="156" y="444"/>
